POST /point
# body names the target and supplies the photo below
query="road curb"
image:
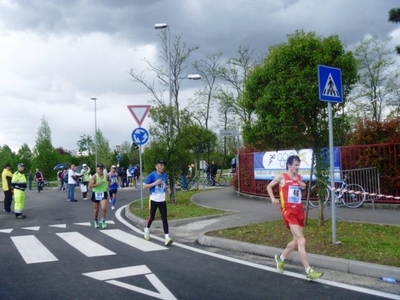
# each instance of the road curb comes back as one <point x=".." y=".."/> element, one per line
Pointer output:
<point x="332" y="263"/>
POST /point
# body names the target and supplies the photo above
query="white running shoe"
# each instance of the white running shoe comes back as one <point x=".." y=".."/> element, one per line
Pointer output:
<point x="112" y="207"/>
<point x="147" y="234"/>
<point x="168" y="241"/>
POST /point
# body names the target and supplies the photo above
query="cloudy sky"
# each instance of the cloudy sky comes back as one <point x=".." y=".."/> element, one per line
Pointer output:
<point x="57" y="54"/>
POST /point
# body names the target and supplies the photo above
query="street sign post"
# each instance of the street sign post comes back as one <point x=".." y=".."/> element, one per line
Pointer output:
<point x="331" y="91"/>
<point x="232" y="132"/>
<point x="140" y="136"/>
<point x="139" y="112"/>
<point x="330" y="84"/>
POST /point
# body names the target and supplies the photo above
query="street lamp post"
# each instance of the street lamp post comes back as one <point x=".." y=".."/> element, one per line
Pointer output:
<point x="165" y="26"/>
<point x="95" y="127"/>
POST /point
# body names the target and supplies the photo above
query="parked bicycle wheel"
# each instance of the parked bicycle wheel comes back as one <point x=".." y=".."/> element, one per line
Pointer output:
<point x="314" y="197"/>
<point x="221" y="181"/>
<point x="354" y="199"/>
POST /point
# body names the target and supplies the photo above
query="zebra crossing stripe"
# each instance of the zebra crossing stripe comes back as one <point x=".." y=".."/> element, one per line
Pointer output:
<point x="85" y="245"/>
<point x="32" y="250"/>
<point x="132" y="240"/>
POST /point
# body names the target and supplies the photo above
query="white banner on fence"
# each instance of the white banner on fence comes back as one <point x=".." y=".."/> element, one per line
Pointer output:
<point x="269" y="164"/>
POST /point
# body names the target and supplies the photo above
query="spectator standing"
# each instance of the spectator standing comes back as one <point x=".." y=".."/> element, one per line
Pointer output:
<point x="72" y="182"/>
<point x="122" y="176"/>
<point x="99" y="184"/>
<point x="192" y="176"/>
<point x="39" y="178"/>
<point x="113" y="179"/>
<point x="30" y="179"/>
<point x="156" y="182"/>
<point x="213" y="172"/>
<point x="128" y="177"/>
<point x="136" y="176"/>
<point x="60" y="178"/>
<point x="207" y="170"/>
<point x="85" y="173"/>
<point x="18" y="181"/>
<point x="6" y="177"/>
<point x="184" y="179"/>
<point x="65" y="180"/>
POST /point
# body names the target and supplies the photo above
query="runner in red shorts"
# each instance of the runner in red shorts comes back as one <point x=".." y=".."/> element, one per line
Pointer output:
<point x="290" y="187"/>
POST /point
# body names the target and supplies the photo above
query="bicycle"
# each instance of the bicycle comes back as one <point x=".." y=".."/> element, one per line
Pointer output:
<point x="351" y="195"/>
<point x="219" y="179"/>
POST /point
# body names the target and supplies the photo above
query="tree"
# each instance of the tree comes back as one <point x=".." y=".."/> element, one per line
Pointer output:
<point x="235" y="73"/>
<point x="46" y="157"/>
<point x="284" y="95"/>
<point x="25" y="156"/>
<point x="177" y="62"/>
<point x="168" y="119"/>
<point x="394" y="17"/>
<point x="374" y="62"/>
<point x="130" y="154"/>
<point x="105" y="156"/>
<point x="208" y="69"/>
<point x="7" y="156"/>
<point x="86" y="145"/>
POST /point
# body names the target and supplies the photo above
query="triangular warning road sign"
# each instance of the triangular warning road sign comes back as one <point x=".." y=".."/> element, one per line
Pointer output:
<point x="330" y="88"/>
<point x="110" y="275"/>
<point x="139" y="112"/>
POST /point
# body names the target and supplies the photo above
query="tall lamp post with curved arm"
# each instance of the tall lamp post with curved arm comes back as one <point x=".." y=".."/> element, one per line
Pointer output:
<point x="95" y="128"/>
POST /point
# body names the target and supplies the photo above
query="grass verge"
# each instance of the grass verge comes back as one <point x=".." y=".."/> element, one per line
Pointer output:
<point x="371" y="243"/>
<point x="365" y="242"/>
<point x="184" y="208"/>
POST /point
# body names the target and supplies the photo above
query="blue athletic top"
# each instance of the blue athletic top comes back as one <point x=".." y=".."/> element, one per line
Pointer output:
<point x="114" y="181"/>
<point x="154" y="176"/>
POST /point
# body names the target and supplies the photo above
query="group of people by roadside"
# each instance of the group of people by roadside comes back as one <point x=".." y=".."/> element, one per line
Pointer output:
<point x="189" y="178"/>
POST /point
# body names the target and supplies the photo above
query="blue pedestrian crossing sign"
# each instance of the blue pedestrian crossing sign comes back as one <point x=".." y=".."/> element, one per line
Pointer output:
<point x="140" y="136"/>
<point x="330" y="84"/>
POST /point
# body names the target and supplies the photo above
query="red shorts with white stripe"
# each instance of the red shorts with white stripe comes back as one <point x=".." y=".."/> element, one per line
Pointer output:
<point x="294" y="214"/>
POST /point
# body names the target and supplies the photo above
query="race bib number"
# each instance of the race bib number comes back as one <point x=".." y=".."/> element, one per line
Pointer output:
<point x="160" y="188"/>
<point x="294" y="195"/>
<point x="114" y="180"/>
<point x="99" y="195"/>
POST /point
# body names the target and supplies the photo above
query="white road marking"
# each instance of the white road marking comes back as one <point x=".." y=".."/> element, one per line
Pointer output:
<point x="110" y="275"/>
<point x="59" y="225"/>
<point x="7" y="230"/>
<point x="258" y="266"/>
<point x="132" y="240"/>
<point x="32" y="250"/>
<point x="84" y="224"/>
<point x="85" y="245"/>
<point x="35" y="228"/>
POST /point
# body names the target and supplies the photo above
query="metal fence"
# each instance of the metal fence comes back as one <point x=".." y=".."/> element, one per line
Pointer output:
<point x="370" y="178"/>
<point x="364" y="180"/>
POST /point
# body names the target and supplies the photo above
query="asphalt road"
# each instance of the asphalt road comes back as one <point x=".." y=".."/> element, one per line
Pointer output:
<point x="57" y="254"/>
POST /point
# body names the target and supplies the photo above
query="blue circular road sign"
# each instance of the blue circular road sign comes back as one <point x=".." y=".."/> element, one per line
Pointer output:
<point x="140" y="136"/>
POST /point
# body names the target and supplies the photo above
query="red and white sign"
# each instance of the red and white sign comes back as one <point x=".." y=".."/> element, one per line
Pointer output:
<point x="139" y="112"/>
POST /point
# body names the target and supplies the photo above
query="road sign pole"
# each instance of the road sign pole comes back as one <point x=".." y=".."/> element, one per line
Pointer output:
<point x="237" y="165"/>
<point x="331" y="90"/>
<point x="332" y="175"/>
<point x="141" y="177"/>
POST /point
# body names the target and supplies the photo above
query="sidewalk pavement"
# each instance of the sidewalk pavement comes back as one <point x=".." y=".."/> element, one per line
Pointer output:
<point x="244" y="210"/>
